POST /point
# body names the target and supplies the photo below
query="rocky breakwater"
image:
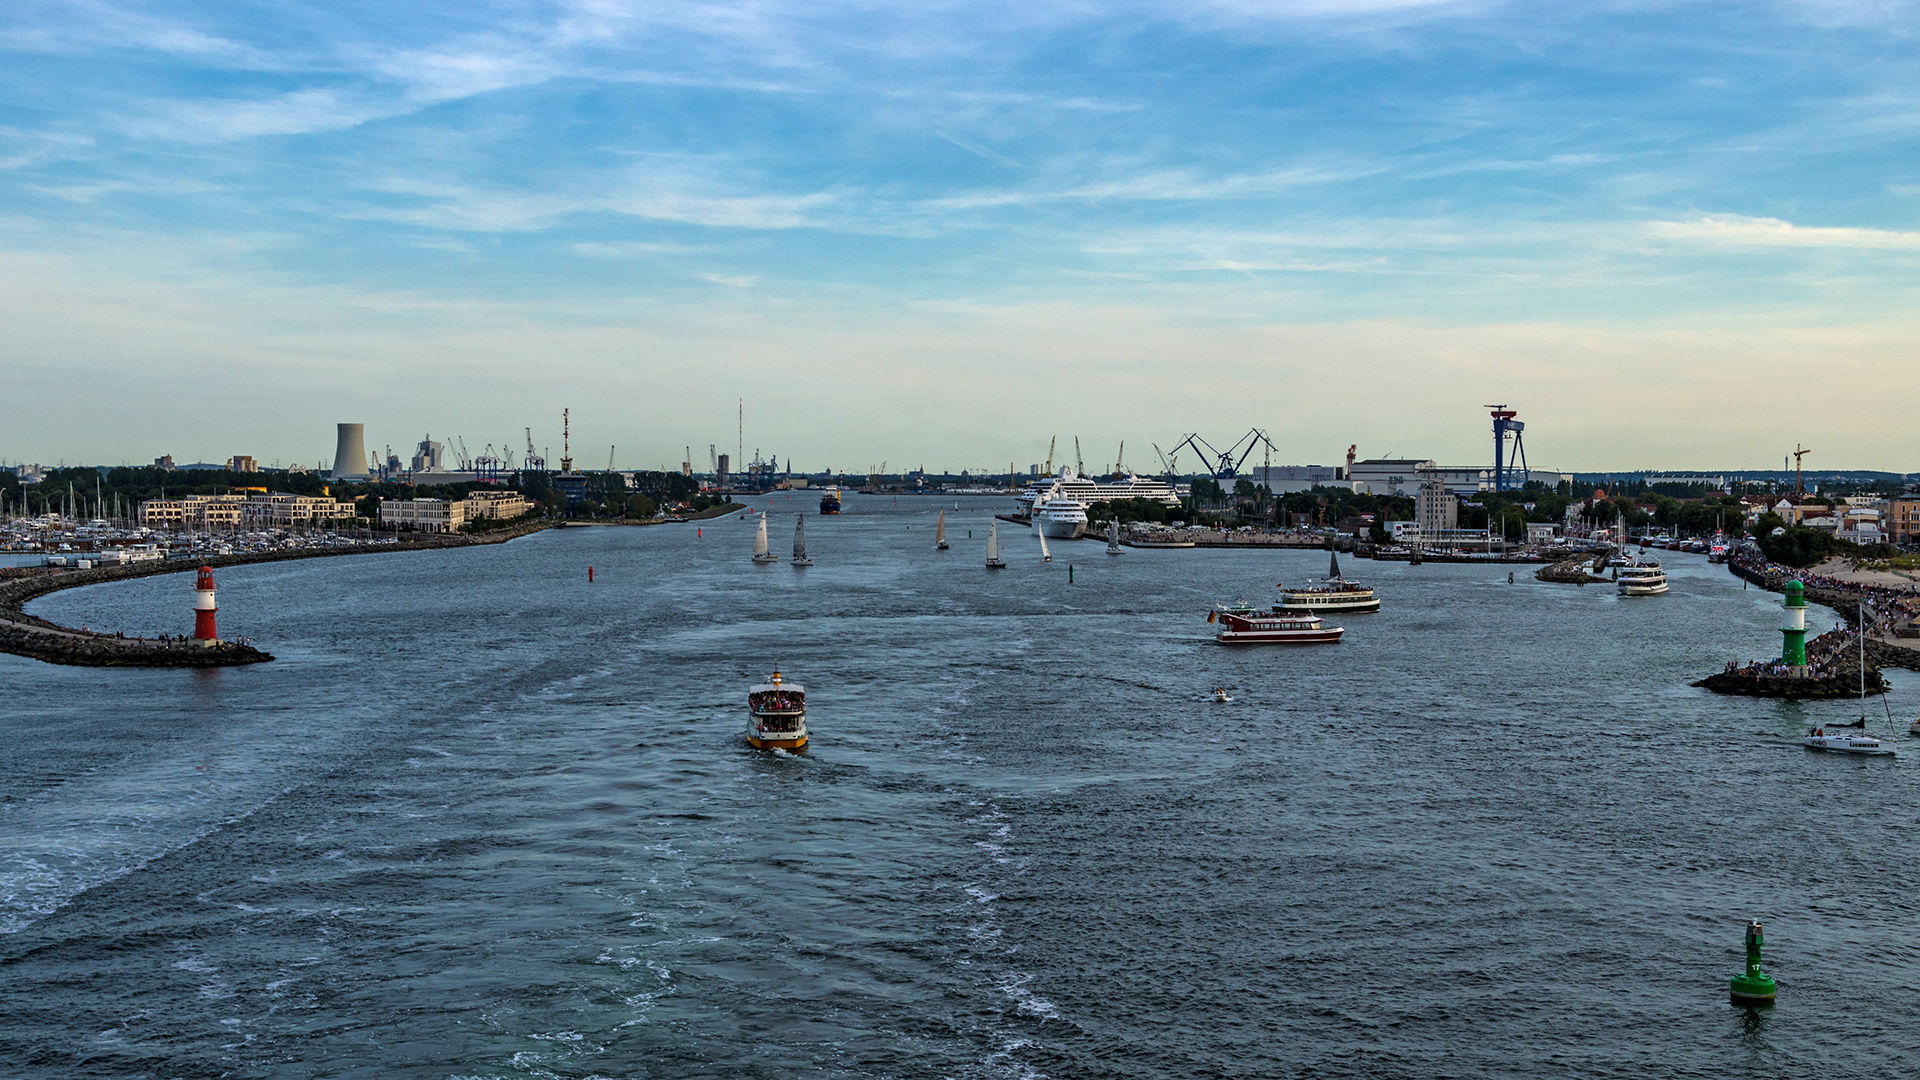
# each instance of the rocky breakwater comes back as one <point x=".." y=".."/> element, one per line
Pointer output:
<point x="1784" y="685"/>
<point x="1572" y="572"/>
<point x="27" y="635"/>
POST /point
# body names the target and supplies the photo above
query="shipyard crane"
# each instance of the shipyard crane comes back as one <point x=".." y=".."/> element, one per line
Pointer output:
<point x="1799" y="477"/>
<point x="534" y="462"/>
<point x="1509" y="473"/>
<point x="1168" y="463"/>
<point x="1079" y="467"/>
<point x="713" y="460"/>
<point x="1120" y="461"/>
<point x="1225" y="465"/>
<point x="610" y="457"/>
<point x="1050" y="445"/>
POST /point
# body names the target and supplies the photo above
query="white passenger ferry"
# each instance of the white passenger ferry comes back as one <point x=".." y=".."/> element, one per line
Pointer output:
<point x="1642" y="577"/>
<point x="777" y="715"/>
<point x="1084" y="492"/>
<point x="1334" y="596"/>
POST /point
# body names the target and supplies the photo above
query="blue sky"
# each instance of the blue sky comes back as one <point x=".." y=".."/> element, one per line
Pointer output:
<point x="1670" y="234"/>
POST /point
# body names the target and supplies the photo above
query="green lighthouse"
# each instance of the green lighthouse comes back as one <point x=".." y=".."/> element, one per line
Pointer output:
<point x="1793" y="649"/>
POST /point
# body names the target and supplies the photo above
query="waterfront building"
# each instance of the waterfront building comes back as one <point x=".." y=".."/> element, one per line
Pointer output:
<point x="1435" y="509"/>
<point x="202" y="513"/>
<point x="1285" y="479"/>
<point x="1900" y="519"/>
<point x="449" y="515"/>
<point x="1388" y="476"/>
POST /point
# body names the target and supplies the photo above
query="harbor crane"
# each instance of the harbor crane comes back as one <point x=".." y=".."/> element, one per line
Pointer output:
<point x="1079" y="466"/>
<point x="1050" y="445"/>
<point x="1120" y="461"/>
<point x="1799" y="477"/>
<point x="534" y="462"/>
<point x="610" y="458"/>
<point x="1170" y="464"/>
<point x="1509" y="473"/>
<point x="1223" y="465"/>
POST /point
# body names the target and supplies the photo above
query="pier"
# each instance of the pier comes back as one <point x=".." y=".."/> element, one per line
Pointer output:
<point x="30" y="636"/>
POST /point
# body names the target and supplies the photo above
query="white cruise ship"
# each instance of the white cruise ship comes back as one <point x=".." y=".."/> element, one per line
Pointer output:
<point x="1078" y="489"/>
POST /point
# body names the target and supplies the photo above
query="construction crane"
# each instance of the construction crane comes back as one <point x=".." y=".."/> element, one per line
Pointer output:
<point x="466" y="459"/>
<point x="1223" y="465"/>
<point x="1050" y="446"/>
<point x="1120" y="461"/>
<point x="1799" y="477"/>
<point x="534" y="462"/>
<point x="713" y="460"/>
<point x="1079" y="467"/>
<point x="610" y="457"/>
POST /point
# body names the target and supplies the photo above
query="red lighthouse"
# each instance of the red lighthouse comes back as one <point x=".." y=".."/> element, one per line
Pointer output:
<point x="204" y="607"/>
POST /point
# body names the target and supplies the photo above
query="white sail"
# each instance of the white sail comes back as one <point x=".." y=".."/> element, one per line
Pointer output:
<point x="993" y="542"/>
<point x="940" y="528"/>
<point x="1045" y="555"/>
<point x="760" y="539"/>
<point x="1113" y="536"/>
<point x="800" y="538"/>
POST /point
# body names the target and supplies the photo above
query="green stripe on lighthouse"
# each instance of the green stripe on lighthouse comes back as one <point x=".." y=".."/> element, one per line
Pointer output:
<point x="1793" y="647"/>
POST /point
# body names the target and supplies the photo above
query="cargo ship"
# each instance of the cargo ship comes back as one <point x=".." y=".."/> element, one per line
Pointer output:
<point x="830" y="501"/>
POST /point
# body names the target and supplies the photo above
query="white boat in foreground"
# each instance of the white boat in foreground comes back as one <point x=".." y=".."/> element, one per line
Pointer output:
<point x="1821" y="739"/>
<point x="777" y="715"/>
<point x="800" y="541"/>
<point x="1642" y="577"/>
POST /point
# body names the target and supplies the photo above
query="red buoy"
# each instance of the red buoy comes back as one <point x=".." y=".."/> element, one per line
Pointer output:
<point x="204" y="607"/>
<point x="589" y="573"/>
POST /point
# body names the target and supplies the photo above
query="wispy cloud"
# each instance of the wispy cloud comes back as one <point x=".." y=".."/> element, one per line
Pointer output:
<point x="1726" y="230"/>
<point x="737" y="281"/>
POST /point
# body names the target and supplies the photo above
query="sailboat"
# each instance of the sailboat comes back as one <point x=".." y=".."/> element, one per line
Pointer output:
<point x="1113" y="536"/>
<point x="800" y="541"/>
<point x="1863" y="743"/>
<point x="1045" y="555"/>
<point x="994" y="561"/>
<point x="940" y="532"/>
<point x="760" y="552"/>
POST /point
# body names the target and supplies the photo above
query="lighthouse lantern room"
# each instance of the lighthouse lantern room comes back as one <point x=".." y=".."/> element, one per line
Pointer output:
<point x="203" y="608"/>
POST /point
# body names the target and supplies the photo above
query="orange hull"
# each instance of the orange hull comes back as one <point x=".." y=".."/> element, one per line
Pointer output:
<point x="759" y="743"/>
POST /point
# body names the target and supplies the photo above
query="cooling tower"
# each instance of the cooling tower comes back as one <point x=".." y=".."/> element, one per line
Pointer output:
<point x="350" y="457"/>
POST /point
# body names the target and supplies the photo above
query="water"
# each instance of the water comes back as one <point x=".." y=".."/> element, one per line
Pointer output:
<point x="483" y="819"/>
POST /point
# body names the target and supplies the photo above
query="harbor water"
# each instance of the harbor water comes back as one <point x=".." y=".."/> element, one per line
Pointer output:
<point x="483" y="818"/>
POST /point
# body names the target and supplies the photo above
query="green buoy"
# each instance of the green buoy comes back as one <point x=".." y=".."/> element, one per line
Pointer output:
<point x="1753" y="987"/>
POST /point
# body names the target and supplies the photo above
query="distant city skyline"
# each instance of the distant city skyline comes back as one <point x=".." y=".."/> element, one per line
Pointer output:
<point x="1671" y="235"/>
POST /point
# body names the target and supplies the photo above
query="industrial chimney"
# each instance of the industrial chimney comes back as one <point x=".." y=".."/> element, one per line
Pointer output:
<point x="350" y="456"/>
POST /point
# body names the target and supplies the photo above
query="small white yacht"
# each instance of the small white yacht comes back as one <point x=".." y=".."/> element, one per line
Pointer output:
<point x="1642" y="577"/>
<point x="994" y="561"/>
<point x="760" y="552"/>
<point x="800" y="541"/>
<point x="1842" y="743"/>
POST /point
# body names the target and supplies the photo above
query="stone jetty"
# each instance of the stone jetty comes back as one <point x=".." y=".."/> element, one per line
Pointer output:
<point x="26" y="635"/>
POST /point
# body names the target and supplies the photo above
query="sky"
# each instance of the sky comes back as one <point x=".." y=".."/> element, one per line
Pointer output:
<point x="1670" y="235"/>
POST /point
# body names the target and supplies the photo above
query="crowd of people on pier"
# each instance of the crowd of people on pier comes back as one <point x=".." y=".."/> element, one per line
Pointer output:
<point x="1889" y="608"/>
<point x="1829" y="655"/>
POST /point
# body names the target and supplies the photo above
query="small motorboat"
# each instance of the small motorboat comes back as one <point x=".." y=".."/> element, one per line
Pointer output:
<point x="1914" y="728"/>
<point x="1220" y="697"/>
<point x="1841" y="743"/>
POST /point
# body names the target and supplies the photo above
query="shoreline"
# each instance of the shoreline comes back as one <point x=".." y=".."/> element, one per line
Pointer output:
<point x="30" y="636"/>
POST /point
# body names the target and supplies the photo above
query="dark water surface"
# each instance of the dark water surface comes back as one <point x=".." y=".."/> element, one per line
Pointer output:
<point x="483" y="819"/>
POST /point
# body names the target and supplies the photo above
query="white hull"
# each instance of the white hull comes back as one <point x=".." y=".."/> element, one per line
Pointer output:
<point x="1847" y="744"/>
<point x="1063" y="529"/>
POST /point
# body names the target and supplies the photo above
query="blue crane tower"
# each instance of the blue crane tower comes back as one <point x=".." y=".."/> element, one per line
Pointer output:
<point x="1509" y="472"/>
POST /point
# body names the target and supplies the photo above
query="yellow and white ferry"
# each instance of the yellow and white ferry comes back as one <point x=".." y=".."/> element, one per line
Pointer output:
<point x="1334" y="596"/>
<point x="777" y="715"/>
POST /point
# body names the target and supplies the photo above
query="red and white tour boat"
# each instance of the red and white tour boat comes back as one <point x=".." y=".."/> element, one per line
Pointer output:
<point x="1241" y="625"/>
<point x="777" y="715"/>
